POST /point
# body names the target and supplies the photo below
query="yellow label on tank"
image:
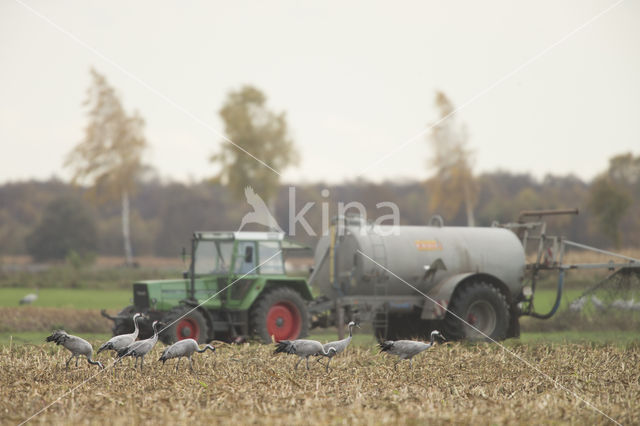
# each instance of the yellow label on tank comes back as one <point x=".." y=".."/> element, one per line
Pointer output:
<point x="428" y="245"/>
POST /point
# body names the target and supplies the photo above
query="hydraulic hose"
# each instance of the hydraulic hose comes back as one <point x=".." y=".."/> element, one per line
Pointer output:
<point x="556" y="305"/>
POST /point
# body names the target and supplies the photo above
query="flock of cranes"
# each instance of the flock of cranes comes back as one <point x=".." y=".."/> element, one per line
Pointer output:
<point x="125" y="345"/>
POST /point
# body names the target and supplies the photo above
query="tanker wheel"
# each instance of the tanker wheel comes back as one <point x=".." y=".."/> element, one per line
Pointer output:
<point x="281" y="313"/>
<point x="182" y="325"/>
<point x="485" y="310"/>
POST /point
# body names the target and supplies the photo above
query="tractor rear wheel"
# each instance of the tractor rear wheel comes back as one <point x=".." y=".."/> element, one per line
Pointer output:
<point x="124" y="326"/>
<point x="182" y="324"/>
<point x="281" y="313"/>
<point x="485" y="312"/>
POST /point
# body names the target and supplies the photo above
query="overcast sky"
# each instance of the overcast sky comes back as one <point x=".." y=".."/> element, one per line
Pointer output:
<point x="357" y="79"/>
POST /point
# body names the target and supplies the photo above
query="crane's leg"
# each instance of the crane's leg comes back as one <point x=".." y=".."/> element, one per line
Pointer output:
<point x="395" y="365"/>
<point x="296" y="367"/>
<point x="77" y="358"/>
<point x="411" y="363"/>
<point x="141" y="362"/>
<point x="178" y="363"/>
<point x="307" y="361"/>
<point x="328" y="362"/>
<point x="190" y="363"/>
<point x="68" y="361"/>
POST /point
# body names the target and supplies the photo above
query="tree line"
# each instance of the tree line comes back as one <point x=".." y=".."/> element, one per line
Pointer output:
<point x="49" y="218"/>
<point x="114" y="205"/>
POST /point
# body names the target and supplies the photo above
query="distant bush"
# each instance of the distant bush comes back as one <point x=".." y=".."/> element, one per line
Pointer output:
<point x="66" y="226"/>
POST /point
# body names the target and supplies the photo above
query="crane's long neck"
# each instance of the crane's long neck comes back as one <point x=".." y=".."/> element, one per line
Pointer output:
<point x="350" y="330"/>
<point x="154" y="339"/>
<point x="205" y="348"/>
<point x="330" y="352"/>
<point x="137" y="329"/>
<point x="433" y="339"/>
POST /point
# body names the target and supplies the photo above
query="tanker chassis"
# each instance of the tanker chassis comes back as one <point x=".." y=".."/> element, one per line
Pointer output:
<point x="469" y="282"/>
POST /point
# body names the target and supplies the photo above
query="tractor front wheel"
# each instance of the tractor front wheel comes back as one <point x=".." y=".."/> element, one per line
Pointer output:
<point x="281" y="313"/>
<point x="181" y="323"/>
<point x="478" y="311"/>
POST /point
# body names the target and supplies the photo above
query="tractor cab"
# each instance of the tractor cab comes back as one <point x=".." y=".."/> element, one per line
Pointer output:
<point x="236" y="287"/>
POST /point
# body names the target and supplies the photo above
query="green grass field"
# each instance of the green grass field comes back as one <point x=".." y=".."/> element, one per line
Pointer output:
<point x="544" y="299"/>
<point x="114" y="300"/>
<point x="70" y="298"/>
<point x="119" y="298"/>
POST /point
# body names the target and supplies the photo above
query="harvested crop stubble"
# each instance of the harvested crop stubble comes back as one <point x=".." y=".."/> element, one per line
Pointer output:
<point x="31" y="318"/>
<point x="248" y="384"/>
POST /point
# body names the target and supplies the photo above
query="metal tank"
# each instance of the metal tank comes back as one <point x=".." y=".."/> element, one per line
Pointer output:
<point x="375" y="260"/>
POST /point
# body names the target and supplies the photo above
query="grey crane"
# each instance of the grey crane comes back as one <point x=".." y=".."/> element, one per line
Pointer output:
<point x="339" y="345"/>
<point x="74" y="344"/>
<point x="30" y="298"/>
<point x="183" y="348"/>
<point x="303" y="348"/>
<point x="121" y="341"/>
<point x="407" y="349"/>
<point x="140" y="348"/>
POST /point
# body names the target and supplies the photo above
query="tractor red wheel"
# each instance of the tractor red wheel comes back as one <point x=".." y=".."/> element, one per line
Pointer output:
<point x="184" y="323"/>
<point x="284" y="321"/>
<point x="280" y="314"/>
<point x="187" y="328"/>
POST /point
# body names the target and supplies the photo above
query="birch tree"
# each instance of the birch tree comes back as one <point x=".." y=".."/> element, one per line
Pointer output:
<point x="109" y="158"/>
<point x="261" y="132"/>
<point x="452" y="185"/>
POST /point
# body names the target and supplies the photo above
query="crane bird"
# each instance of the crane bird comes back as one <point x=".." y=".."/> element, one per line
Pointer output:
<point x="339" y="345"/>
<point x="121" y="341"/>
<point x="74" y="344"/>
<point x="30" y="298"/>
<point x="140" y="348"/>
<point x="183" y="348"/>
<point x="407" y="349"/>
<point x="303" y="348"/>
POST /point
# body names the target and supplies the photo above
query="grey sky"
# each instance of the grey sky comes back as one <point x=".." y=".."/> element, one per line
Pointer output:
<point x="355" y="78"/>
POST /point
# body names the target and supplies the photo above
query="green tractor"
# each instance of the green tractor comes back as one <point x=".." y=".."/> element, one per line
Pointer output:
<point x="236" y="287"/>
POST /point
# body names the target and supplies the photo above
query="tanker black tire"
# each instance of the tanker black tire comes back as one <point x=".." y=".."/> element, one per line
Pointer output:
<point x="483" y="306"/>
<point x="182" y="325"/>
<point x="281" y="313"/>
<point x="124" y="326"/>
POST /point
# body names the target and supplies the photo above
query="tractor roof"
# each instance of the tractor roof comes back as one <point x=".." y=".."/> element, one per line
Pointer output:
<point x="244" y="236"/>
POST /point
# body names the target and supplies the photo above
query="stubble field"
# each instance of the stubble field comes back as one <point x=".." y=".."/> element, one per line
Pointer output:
<point x="459" y="383"/>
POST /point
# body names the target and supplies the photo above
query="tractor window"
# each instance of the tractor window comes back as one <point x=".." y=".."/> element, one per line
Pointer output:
<point x="245" y="261"/>
<point x="268" y="250"/>
<point x="213" y="257"/>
